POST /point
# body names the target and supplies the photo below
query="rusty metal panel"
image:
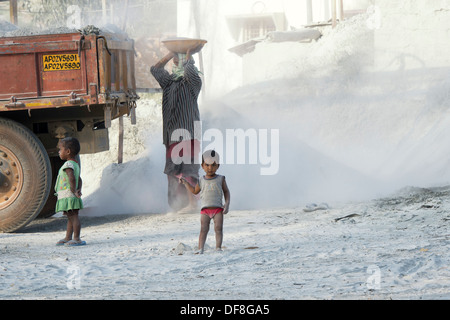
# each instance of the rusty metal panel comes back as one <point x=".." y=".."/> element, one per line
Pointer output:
<point x="52" y="71"/>
<point x="18" y="76"/>
<point x="91" y="60"/>
<point x="62" y="73"/>
<point x="103" y="67"/>
<point x="40" y="67"/>
<point x="6" y="47"/>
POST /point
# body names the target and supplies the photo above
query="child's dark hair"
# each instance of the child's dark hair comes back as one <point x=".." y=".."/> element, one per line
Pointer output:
<point x="72" y="144"/>
<point x="211" y="154"/>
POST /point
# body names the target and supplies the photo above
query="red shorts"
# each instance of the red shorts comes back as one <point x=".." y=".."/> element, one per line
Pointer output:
<point x="211" y="212"/>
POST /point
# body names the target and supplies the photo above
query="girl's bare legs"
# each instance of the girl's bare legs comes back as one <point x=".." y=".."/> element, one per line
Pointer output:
<point x="205" y="221"/>
<point x="218" y="227"/>
<point x="73" y="226"/>
<point x="69" y="230"/>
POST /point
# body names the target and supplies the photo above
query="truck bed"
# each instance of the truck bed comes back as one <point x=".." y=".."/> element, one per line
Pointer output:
<point x="66" y="70"/>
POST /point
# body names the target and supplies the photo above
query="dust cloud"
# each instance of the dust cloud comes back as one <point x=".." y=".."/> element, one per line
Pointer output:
<point x="346" y="132"/>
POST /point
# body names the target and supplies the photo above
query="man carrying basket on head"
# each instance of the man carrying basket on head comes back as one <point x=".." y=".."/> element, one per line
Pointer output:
<point x="181" y="89"/>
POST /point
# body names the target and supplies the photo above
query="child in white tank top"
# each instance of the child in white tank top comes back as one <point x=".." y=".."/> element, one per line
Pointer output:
<point x="212" y="188"/>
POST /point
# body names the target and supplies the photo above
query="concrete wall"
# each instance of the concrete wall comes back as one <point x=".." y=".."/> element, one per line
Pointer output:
<point x="207" y="19"/>
<point x="412" y="34"/>
<point x="222" y="69"/>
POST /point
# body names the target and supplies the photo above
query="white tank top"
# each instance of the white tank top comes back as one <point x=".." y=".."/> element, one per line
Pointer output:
<point x="211" y="192"/>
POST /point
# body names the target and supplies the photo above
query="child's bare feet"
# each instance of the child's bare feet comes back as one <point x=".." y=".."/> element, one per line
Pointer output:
<point x="199" y="251"/>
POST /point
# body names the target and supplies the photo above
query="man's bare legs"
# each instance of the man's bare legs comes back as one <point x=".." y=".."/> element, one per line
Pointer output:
<point x="180" y="203"/>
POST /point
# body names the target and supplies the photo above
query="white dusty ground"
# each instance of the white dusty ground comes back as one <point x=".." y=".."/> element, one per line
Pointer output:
<point x="391" y="248"/>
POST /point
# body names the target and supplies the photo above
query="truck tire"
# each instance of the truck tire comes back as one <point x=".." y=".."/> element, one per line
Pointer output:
<point x="49" y="208"/>
<point x="25" y="175"/>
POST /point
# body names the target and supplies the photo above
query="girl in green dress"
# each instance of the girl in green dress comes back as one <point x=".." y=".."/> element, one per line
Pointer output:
<point x="68" y="190"/>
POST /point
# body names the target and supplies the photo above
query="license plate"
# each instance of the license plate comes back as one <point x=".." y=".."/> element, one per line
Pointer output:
<point x="58" y="62"/>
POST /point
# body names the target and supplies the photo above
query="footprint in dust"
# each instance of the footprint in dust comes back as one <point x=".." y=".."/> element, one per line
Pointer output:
<point x="409" y="267"/>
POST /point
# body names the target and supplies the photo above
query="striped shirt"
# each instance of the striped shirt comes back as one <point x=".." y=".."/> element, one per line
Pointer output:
<point x="179" y="103"/>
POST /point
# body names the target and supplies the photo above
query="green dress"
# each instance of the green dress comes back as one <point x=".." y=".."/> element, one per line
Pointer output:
<point x="66" y="199"/>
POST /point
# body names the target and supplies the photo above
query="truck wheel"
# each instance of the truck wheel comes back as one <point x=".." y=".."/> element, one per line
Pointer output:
<point x="49" y="208"/>
<point x="25" y="175"/>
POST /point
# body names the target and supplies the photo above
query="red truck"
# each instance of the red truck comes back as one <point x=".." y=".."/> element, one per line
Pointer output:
<point x="53" y="86"/>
